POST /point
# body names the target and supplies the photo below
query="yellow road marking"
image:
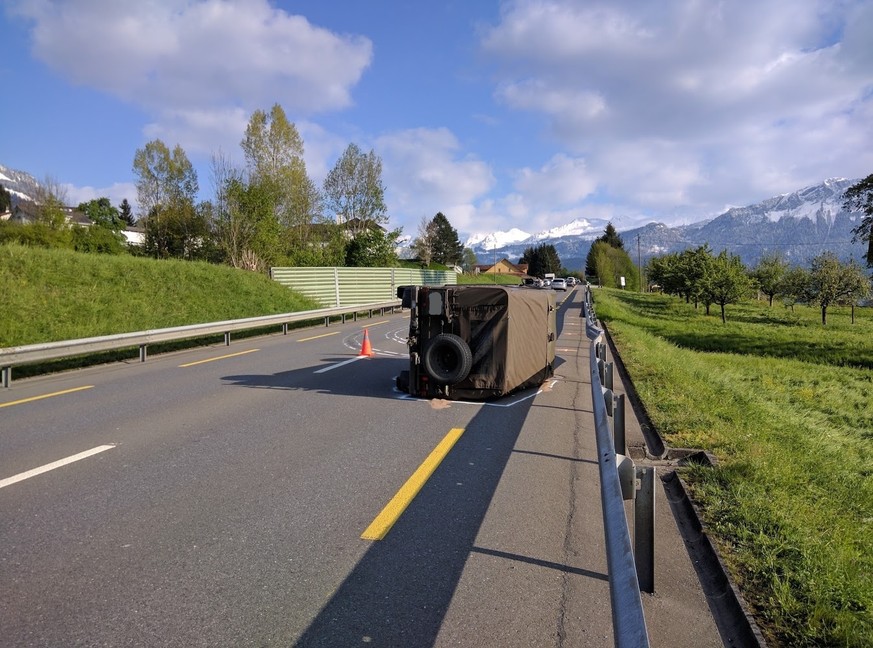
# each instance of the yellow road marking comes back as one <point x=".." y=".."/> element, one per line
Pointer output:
<point x="380" y="527"/>
<point x="35" y="398"/>
<point x="315" y="337"/>
<point x="229" y="355"/>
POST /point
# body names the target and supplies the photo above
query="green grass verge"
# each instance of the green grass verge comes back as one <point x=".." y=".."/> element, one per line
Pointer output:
<point x="52" y="295"/>
<point x="785" y="404"/>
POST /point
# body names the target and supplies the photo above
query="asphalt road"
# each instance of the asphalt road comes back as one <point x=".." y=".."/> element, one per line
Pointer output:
<point x="230" y="486"/>
<point x="228" y="498"/>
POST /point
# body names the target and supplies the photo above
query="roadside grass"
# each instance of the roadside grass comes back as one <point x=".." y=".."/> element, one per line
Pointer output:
<point x="790" y="503"/>
<point x="52" y="295"/>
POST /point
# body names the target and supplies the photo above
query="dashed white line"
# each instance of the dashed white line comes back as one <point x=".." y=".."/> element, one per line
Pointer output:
<point x="55" y="464"/>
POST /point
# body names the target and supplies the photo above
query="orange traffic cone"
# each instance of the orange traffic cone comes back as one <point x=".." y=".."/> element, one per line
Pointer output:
<point x="366" y="349"/>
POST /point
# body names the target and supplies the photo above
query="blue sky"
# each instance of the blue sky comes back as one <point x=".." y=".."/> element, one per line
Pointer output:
<point x="526" y="114"/>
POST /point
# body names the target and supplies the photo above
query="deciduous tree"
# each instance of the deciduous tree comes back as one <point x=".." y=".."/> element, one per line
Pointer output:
<point x="769" y="273"/>
<point x="354" y="191"/>
<point x="860" y="197"/>
<point x="832" y="282"/>
<point x="725" y="281"/>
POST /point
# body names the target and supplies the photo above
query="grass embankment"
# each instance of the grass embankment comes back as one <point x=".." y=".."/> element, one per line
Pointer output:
<point x="51" y="295"/>
<point x="787" y="407"/>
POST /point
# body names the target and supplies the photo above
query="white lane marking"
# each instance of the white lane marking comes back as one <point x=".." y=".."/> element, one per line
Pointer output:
<point x="55" y="464"/>
<point x="339" y="364"/>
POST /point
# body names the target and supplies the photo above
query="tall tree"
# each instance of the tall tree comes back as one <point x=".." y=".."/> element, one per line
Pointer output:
<point x="541" y="260"/>
<point x="611" y="238"/>
<point x="165" y="179"/>
<point x="424" y="243"/>
<point x="860" y="197"/>
<point x="166" y="190"/>
<point x="272" y="145"/>
<point x="125" y="212"/>
<point x="447" y="248"/>
<point x="354" y="191"/>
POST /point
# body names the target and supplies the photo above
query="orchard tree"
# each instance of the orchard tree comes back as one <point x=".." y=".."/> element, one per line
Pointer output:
<point x="725" y="281"/>
<point x="769" y="273"/>
<point x="859" y="197"/>
<point x="354" y="192"/>
<point x="794" y="286"/>
<point x="832" y="282"/>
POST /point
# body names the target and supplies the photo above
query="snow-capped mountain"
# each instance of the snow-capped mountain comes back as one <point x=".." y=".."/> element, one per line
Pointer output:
<point x="798" y="225"/>
<point x="21" y="186"/>
<point x="496" y="240"/>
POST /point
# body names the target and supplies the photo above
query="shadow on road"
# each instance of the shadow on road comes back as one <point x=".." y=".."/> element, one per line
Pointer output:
<point x="398" y="594"/>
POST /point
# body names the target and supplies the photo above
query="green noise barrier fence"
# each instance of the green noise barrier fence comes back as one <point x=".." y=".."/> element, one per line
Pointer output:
<point x="346" y="286"/>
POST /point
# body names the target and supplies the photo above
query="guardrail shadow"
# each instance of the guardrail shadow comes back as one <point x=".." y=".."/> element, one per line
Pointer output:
<point x="400" y="590"/>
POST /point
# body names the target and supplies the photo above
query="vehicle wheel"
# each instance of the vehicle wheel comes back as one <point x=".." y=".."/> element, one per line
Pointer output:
<point x="448" y="359"/>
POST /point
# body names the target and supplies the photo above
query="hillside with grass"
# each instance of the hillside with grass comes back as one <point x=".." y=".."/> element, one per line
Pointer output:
<point x="785" y="406"/>
<point x="51" y="295"/>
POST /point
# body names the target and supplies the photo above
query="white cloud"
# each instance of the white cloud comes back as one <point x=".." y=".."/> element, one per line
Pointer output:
<point x="678" y="105"/>
<point x="196" y="65"/>
<point x="424" y="176"/>
<point x="116" y="193"/>
<point x="561" y="181"/>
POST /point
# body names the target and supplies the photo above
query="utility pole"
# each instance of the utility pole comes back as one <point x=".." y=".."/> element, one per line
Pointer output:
<point x="640" y="263"/>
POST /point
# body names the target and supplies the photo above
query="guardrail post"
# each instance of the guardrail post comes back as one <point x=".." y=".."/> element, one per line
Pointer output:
<point x="644" y="529"/>
<point x="607" y="378"/>
<point x="618" y="429"/>
<point x="6" y="375"/>
<point x="285" y="328"/>
<point x="327" y="321"/>
<point x="143" y="352"/>
<point x="227" y="338"/>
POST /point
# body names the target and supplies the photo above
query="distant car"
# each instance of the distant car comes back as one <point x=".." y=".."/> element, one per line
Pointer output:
<point x="571" y="281"/>
<point x="558" y="283"/>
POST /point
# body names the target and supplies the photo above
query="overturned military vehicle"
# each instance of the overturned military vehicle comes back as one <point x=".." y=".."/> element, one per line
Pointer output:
<point x="477" y="342"/>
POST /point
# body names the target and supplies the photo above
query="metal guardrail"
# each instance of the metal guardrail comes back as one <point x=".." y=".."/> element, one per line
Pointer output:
<point x="618" y="478"/>
<point x="19" y="355"/>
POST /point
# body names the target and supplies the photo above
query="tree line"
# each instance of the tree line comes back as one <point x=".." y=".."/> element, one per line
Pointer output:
<point x="267" y="212"/>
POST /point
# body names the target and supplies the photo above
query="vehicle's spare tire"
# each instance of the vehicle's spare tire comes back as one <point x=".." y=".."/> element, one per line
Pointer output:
<point x="447" y="359"/>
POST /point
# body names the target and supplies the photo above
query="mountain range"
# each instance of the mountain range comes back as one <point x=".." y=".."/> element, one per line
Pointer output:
<point x="797" y="225"/>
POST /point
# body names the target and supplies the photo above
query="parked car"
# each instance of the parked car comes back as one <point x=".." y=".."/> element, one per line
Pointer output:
<point x="559" y="283"/>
